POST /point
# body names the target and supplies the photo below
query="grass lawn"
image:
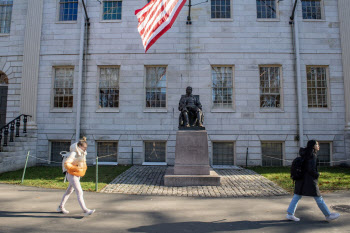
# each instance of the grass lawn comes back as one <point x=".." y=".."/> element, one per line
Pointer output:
<point x="52" y="177"/>
<point x="331" y="178"/>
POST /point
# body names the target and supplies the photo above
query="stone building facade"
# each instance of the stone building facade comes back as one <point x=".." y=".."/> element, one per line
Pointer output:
<point x="238" y="55"/>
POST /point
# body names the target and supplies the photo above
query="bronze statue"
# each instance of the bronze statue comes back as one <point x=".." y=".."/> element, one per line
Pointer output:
<point x="191" y="110"/>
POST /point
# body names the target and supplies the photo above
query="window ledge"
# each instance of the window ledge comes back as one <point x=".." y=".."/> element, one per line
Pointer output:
<point x="221" y="20"/>
<point x="314" y="20"/>
<point x="222" y="110"/>
<point x="317" y="110"/>
<point x="66" y="22"/>
<point x="61" y="110"/>
<point x="272" y="110"/>
<point x="155" y="110"/>
<point x="4" y="34"/>
<point x="268" y="20"/>
<point x="111" y="21"/>
<point x="154" y="164"/>
<point x="104" y="110"/>
<point x="106" y="163"/>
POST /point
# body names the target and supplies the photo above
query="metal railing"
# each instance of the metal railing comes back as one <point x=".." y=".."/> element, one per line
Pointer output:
<point x="12" y="129"/>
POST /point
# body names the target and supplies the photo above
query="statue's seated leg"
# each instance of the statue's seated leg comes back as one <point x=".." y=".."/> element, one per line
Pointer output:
<point x="199" y="118"/>
<point x="185" y="118"/>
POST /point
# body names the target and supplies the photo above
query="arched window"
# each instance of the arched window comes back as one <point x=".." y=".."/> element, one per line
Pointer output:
<point x="3" y="79"/>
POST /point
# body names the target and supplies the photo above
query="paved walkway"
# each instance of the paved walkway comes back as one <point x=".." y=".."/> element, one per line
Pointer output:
<point x="148" y="180"/>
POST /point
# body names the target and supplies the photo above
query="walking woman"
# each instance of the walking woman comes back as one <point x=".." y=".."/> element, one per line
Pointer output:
<point x="307" y="186"/>
<point x="76" y="168"/>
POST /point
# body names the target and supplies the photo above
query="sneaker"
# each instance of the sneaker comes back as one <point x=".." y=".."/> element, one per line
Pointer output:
<point x="292" y="218"/>
<point x="89" y="212"/>
<point x="62" y="210"/>
<point x="332" y="216"/>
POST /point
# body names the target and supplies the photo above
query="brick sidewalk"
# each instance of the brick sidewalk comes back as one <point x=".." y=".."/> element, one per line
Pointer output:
<point x="148" y="180"/>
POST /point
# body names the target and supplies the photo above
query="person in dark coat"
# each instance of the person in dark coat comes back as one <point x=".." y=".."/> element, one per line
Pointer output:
<point x="308" y="185"/>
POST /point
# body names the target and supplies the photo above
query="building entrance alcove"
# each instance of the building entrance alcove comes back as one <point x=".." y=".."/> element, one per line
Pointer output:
<point x="3" y="98"/>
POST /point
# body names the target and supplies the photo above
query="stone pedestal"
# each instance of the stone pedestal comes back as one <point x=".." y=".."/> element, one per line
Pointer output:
<point x="191" y="161"/>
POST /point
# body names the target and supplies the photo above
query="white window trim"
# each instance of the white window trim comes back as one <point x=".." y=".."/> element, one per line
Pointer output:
<point x="154" y="163"/>
<point x="110" y="21"/>
<point x="211" y="159"/>
<point x="52" y="108"/>
<point x="109" y="109"/>
<point x="284" y="162"/>
<point x="329" y="107"/>
<point x="156" y="110"/>
<point x="277" y="109"/>
<point x="221" y="19"/>
<point x="277" y="19"/>
<point x="232" y="108"/>
<point x="323" y="16"/>
<point x="58" y="15"/>
<point x="106" y="163"/>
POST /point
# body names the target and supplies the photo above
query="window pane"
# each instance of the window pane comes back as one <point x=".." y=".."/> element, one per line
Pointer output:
<point x="317" y="87"/>
<point x="56" y="148"/>
<point x="63" y="88"/>
<point x="311" y="9"/>
<point x="271" y="154"/>
<point x="222" y="85"/>
<point x="112" y="10"/>
<point x="220" y="9"/>
<point x="155" y="151"/>
<point x="266" y="9"/>
<point x="223" y="153"/>
<point x="156" y="87"/>
<point x="106" y="149"/>
<point x="270" y="87"/>
<point x="109" y="88"/>
<point x="324" y="154"/>
<point x="68" y="10"/>
<point x="5" y="15"/>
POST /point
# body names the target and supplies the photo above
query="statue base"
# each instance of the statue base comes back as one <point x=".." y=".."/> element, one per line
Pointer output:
<point x="191" y="161"/>
<point x="191" y="128"/>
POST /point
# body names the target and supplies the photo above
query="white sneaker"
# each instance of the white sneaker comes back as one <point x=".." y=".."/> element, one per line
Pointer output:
<point x="62" y="210"/>
<point x="89" y="212"/>
<point x="332" y="216"/>
<point x="292" y="218"/>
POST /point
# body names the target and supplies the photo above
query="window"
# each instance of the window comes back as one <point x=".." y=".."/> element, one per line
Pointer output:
<point x="107" y="148"/>
<point x="317" y="93"/>
<point x="63" y="88"/>
<point x="5" y="16"/>
<point x="68" y="10"/>
<point x="272" y="154"/>
<point x="222" y="86"/>
<point x="112" y="10"/>
<point x="270" y="87"/>
<point x="324" y="154"/>
<point x="312" y="9"/>
<point x="155" y="87"/>
<point x="220" y="9"/>
<point x="223" y="153"/>
<point x="109" y="87"/>
<point x="266" y="9"/>
<point x="56" y="148"/>
<point x="155" y="151"/>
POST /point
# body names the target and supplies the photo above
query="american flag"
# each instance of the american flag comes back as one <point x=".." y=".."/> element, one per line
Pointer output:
<point x="156" y="18"/>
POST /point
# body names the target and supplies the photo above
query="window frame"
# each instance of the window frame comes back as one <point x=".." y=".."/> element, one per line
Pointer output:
<point x="221" y="19"/>
<point x="110" y="20"/>
<point x="107" y="109"/>
<point x="234" y="152"/>
<point x="154" y="163"/>
<point x="330" y="151"/>
<point x="283" y="151"/>
<point x="277" y="19"/>
<point x="275" y="109"/>
<point x="153" y="109"/>
<point x="58" y="7"/>
<point x="8" y="34"/>
<point x="50" y="148"/>
<point x="96" y="152"/>
<point x="317" y="109"/>
<point x="323" y="17"/>
<point x="52" y="108"/>
<point x="233" y="105"/>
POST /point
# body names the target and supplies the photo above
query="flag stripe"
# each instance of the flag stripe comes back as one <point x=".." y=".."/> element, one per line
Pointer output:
<point x="155" y="18"/>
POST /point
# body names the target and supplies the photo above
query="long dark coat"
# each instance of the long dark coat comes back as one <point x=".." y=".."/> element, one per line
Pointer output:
<point x="308" y="186"/>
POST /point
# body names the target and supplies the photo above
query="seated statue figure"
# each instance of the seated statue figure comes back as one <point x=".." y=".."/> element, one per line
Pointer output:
<point x="191" y="110"/>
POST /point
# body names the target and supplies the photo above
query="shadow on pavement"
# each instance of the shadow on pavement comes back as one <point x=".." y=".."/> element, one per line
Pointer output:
<point x="8" y="214"/>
